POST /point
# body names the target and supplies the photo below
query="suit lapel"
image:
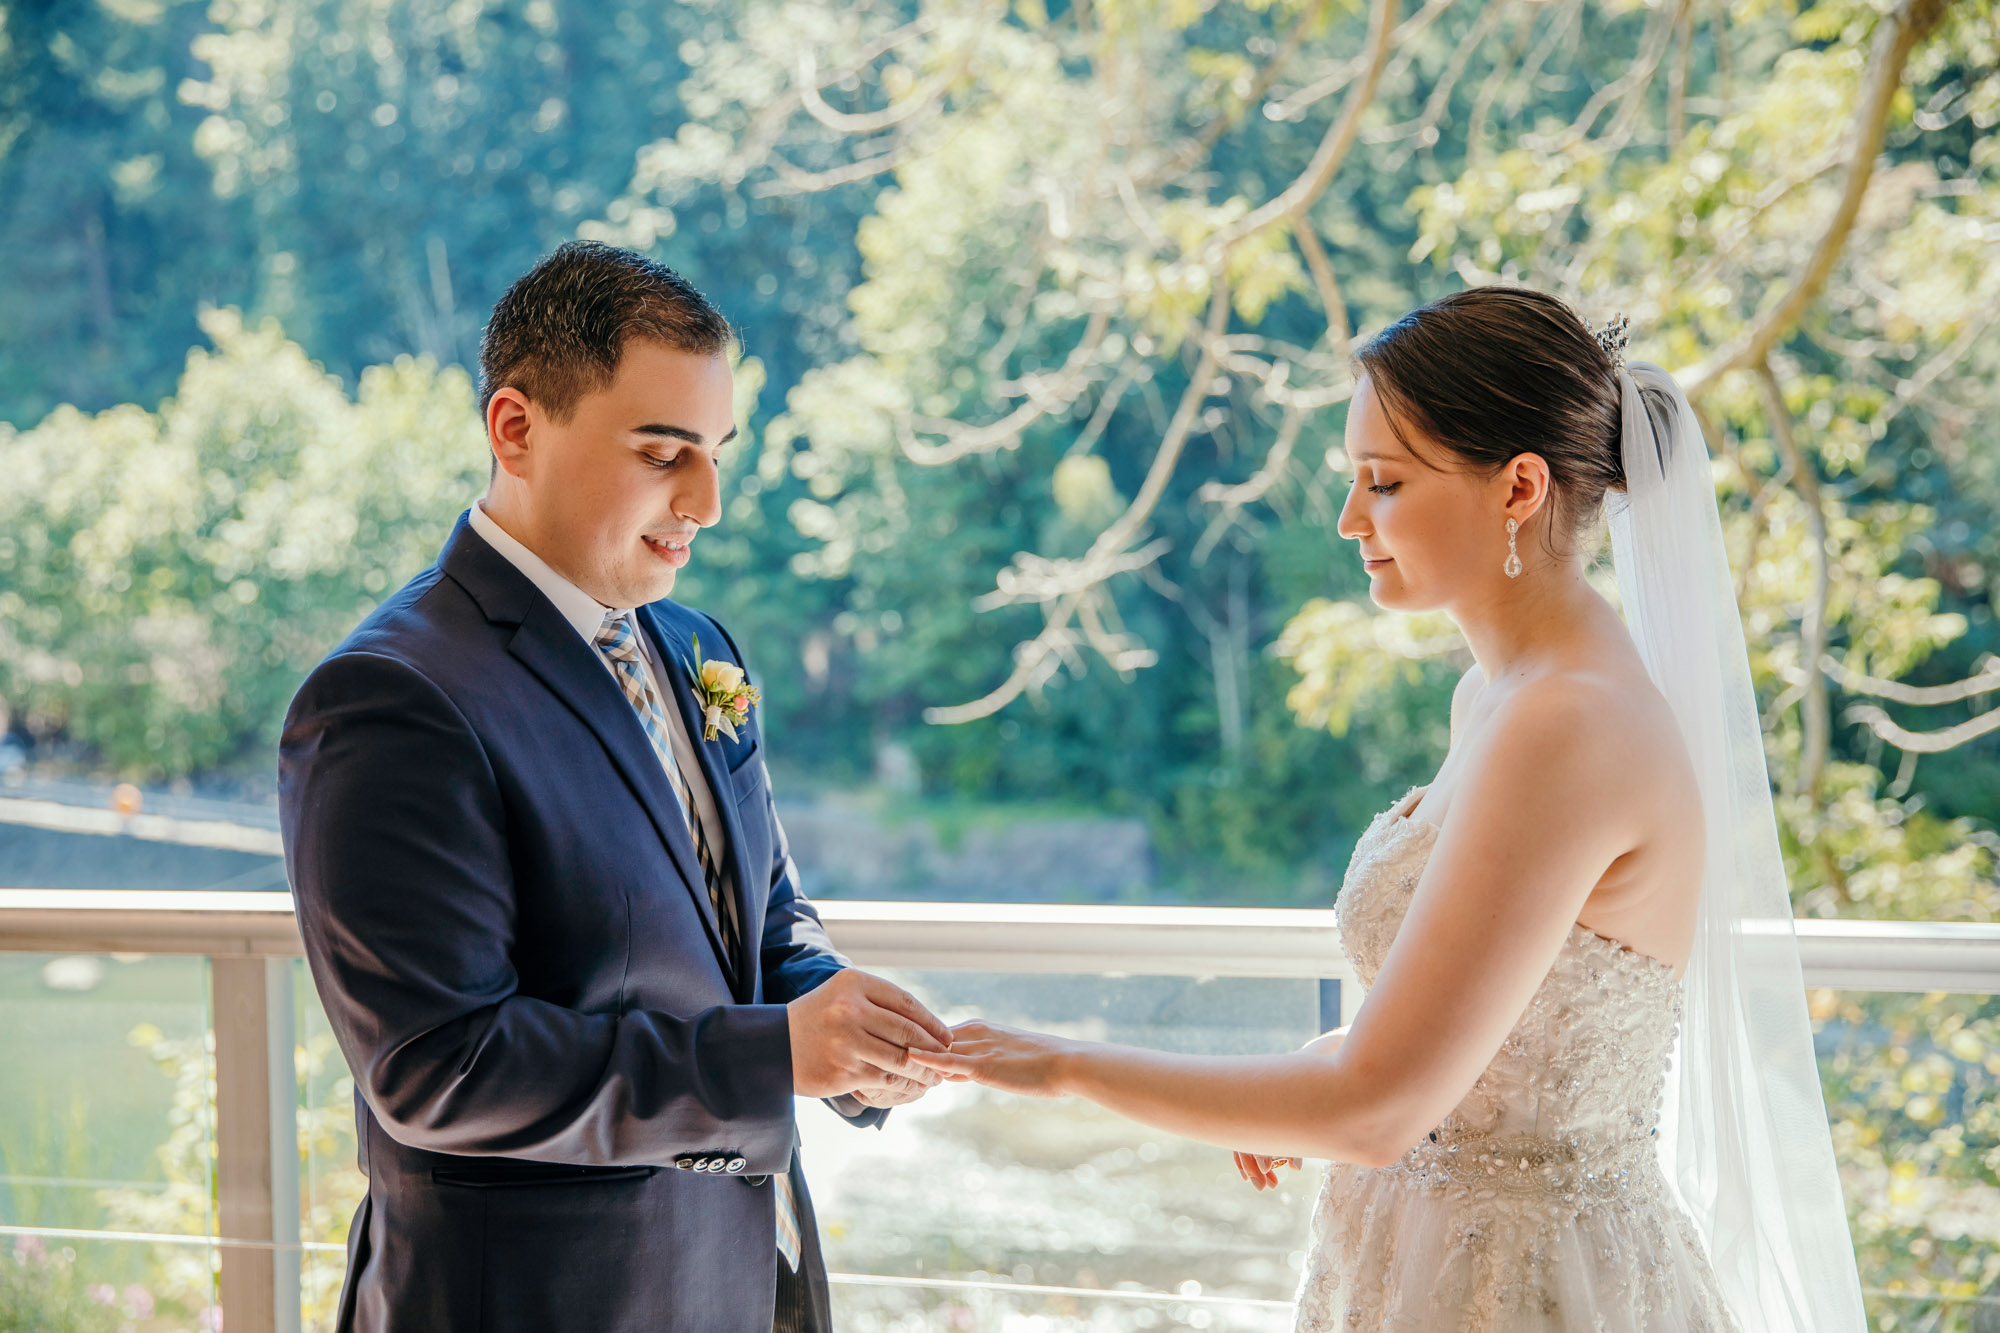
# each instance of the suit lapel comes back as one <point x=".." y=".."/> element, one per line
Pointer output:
<point x="676" y="652"/>
<point x="550" y="647"/>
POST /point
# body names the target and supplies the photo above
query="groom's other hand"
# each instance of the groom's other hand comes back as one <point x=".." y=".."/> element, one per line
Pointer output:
<point x="854" y="1032"/>
<point x="898" y="1090"/>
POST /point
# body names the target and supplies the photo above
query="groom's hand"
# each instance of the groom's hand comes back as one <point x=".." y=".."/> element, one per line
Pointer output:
<point x="854" y="1033"/>
<point x="898" y="1091"/>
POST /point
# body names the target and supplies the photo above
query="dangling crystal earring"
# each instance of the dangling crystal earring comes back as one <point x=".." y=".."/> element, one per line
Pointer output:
<point x="1513" y="565"/>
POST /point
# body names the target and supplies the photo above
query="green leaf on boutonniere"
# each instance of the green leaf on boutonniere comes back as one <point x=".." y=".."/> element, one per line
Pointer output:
<point x="725" y="693"/>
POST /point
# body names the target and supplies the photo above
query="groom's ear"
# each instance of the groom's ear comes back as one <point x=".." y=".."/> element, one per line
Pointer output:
<point x="507" y="423"/>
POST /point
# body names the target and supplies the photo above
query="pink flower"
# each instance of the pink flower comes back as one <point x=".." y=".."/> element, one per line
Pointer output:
<point x="29" y="1249"/>
<point x="104" y="1294"/>
<point x="210" y="1319"/>
<point x="138" y="1302"/>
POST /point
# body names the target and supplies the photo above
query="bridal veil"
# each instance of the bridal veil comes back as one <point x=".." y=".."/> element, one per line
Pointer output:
<point x="1743" y="1135"/>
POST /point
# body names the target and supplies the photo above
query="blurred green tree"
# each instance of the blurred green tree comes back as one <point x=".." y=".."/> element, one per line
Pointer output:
<point x="167" y="577"/>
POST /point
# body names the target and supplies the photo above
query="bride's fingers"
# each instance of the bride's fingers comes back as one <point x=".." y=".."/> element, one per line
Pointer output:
<point x="950" y="1064"/>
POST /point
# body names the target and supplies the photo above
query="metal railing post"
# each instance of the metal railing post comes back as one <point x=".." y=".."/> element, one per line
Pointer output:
<point x="280" y="1010"/>
<point x="256" y="1143"/>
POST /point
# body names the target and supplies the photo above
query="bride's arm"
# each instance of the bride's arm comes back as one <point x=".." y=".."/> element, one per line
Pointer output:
<point x="1542" y="808"/>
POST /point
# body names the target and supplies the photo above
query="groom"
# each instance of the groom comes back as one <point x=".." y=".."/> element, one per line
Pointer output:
<point x="550" y="913"/>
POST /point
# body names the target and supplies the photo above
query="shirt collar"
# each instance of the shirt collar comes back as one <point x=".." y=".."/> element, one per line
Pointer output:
<point x="584" y="613"/>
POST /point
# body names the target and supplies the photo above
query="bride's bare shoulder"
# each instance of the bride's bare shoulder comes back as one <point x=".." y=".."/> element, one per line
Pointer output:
<point x="1595" y="726"/>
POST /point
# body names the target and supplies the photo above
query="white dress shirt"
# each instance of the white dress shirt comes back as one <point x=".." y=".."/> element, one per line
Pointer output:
<point x="586" y="615"/>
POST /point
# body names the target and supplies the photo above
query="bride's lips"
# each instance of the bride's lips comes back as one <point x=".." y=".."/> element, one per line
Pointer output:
<point x="1372" y="565"/>
<point x="673" y="550"/>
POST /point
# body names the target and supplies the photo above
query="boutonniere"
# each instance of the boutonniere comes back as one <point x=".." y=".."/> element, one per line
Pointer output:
<point x="724" y="692"/>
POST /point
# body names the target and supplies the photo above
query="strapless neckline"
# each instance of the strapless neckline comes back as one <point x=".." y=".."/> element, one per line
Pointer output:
<point x="1579" y="934"/>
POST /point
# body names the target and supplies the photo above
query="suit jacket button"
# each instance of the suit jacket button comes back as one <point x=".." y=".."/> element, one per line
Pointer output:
<point x="713" y="1163"/>
<point x="683" y="1163"/>
<point x="736" y="1164"/>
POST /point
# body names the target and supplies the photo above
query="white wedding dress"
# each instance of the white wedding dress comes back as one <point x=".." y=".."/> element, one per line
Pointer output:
<point x="1539" y="1203"/>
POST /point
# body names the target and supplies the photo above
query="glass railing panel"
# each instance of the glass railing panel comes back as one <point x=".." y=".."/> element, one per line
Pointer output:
<point x="998" y="1191"/>
<point x="106" y="1125"/>
<point x="72" y="1284"/>
<point x="893" y="1304"/>
<point x="331" y="1185"/>
<point x="1911" y="1083"/>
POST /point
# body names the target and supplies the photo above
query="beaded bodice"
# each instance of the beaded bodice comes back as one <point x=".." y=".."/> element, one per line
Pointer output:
<point x="1538" y="1205"/>
<point x="1579" y="1079"/>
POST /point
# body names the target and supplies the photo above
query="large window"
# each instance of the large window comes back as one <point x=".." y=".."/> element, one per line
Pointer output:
<point x="1030" y="534"/>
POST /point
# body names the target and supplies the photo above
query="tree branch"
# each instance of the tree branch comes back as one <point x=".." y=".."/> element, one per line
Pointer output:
<point x="1328" y="286"/>
<point x="1924" y="742"/>
<point x="1812" y="630"/>
<point x="1065" y="587"/>
<point x="807" y="84"/>
<point x="1424" y="128"/>
<point x="1622" y="89"/>
<point x="1894" y="40"/>
<point x="1212" y="133"/>
<point x="1984" y="682"/>
<point x="1233" y="499"/>
<point x="1909" y="390"/>
<point x="1044" y="393"/>
<point x="1292" y="106"/>
<point x="1300" y="194"/>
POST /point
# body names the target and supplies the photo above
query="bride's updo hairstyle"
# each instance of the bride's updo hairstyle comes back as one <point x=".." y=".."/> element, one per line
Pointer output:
<point x="1494" y="372"/>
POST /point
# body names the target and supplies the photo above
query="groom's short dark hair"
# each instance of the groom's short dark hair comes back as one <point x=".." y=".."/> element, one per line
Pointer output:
<point x="558" y="332"/>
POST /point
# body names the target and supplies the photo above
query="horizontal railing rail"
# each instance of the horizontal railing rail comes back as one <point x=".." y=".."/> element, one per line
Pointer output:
<point x="1916" y="956"/>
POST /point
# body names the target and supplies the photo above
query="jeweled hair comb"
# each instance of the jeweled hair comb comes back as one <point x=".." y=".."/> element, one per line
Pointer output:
<point x="1617" y="331"/>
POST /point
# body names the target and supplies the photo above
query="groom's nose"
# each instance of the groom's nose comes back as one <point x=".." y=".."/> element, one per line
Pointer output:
<point x="698" y="499"/>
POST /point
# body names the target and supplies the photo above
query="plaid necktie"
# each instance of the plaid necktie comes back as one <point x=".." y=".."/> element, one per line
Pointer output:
<point x="619" y="643"/>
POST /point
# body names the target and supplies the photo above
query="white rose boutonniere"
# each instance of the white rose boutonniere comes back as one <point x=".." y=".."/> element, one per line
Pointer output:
<point x="726" y="695"/>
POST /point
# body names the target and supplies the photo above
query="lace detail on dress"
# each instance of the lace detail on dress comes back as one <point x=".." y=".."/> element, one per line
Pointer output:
<point x="1539" y="1202"/>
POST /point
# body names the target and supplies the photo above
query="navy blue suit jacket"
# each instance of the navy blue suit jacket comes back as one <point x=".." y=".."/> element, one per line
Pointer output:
<point x="510" y="933"/>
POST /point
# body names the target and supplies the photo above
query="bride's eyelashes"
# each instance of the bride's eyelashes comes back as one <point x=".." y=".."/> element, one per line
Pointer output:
<point x="1386" y="488"/>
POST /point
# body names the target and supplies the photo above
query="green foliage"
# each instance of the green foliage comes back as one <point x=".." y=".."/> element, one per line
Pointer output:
<point x="183" y="1276"/>
<point x="167" y="577"/>
<point x="42" y="1292"/>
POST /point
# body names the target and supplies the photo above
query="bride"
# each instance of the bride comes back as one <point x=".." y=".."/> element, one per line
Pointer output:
<point x="1580" y="1093"/>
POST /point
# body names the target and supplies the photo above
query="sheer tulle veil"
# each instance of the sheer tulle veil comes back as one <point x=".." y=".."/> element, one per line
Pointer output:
<point x="1744" y="1134"/>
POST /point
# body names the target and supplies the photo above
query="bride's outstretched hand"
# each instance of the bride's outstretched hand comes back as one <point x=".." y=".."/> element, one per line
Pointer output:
<point x="1027" y="1063"/>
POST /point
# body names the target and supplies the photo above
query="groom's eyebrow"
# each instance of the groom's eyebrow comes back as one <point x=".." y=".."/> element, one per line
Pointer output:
<point x="693" y="437"/>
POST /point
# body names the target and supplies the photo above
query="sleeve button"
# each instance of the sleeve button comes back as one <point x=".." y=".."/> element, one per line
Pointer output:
<point x="736" y="1164"/>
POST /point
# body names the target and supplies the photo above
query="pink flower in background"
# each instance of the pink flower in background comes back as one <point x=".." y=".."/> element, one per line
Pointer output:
<point x="210" y="1319"/>
<point x="138" y="1302"/>
<point x="29" y="1249"/>
<point x="104" y="1294"/>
